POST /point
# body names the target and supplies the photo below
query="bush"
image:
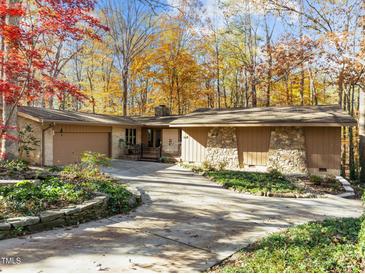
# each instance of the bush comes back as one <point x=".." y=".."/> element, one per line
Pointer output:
<point x="207" y="166"/>
<point x="78" y="172"/>
<point x="94" y="159"/>
<point x="167" y="160"/>
<point x="14" y="165"/>
<point x="222" y="166"/>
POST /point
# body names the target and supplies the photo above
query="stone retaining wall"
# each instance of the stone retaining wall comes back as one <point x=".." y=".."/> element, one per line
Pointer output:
<point x="72" y="215"/>
<point x="93" y="209"/>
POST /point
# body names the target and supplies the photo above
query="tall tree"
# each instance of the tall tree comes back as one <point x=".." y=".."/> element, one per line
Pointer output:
<point x="24" y="73"/>
<point x="362" y="106"/>
<point x="131" y="29"/>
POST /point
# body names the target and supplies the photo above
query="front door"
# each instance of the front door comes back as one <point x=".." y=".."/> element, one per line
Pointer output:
<point x="151" y="150"/>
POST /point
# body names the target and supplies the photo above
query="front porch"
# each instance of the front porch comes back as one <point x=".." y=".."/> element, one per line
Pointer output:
<point x="155" y="143"/>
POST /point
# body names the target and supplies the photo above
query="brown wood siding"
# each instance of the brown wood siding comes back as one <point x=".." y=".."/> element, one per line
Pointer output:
<point x="194" y="143"/>
<point x="253" y="145"/>
<point x="323" y="147"/>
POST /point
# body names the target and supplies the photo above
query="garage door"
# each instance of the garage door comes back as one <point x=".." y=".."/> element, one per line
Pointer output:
<point x="67" y="147"/>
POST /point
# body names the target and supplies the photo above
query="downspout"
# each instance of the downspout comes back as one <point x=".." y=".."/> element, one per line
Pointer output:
<point x="42" y="141"/>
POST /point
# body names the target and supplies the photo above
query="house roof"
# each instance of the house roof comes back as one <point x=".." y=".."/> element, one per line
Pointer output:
<point x="330" y="115"/>
<point x="60" y="116"/>
<point x="155" y="121"/>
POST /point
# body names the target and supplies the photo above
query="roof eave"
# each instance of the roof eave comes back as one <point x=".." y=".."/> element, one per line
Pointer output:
<point x="316" y="124"/>
<point x="89" y="123"/>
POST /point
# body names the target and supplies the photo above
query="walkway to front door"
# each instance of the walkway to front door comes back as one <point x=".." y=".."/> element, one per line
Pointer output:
<point x="186" y="224"/>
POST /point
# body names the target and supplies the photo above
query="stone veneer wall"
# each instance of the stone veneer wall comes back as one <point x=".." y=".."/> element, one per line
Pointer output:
<point x="222" y="147"/>
<point x="287" y="150"/>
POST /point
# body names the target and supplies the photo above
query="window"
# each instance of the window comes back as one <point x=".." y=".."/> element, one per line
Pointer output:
<point x="131" y="136"/>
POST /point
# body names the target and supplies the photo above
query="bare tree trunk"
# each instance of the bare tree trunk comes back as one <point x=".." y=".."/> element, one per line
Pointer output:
<point x="302" y="75"/>
<point x="352" y="166"/>
<point x="362" y="110"/>
<point x="125" y="91"/>
<point x="269" y="71"/>
<point x="253" y="92"/>
<point x="217" y="71"/>
<point x="362" y="135"/>
<point x="340" y="88"/>
<point x="9" y="146"/>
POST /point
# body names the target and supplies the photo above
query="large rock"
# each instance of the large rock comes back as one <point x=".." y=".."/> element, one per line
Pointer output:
<point x="50" y="215"/>
<point x="23" y="221"/>
<point x="5" y="226"/>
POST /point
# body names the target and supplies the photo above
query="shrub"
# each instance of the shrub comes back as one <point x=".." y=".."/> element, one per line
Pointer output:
<point x="14" y="165"/>
<point x="77" y="172"/>
<point x="167" y="160"/>
<point x="94" y="159"/>
<point x="222" y="166"/>
<point x="207" y="166"/>
<point x="27" y="140"/>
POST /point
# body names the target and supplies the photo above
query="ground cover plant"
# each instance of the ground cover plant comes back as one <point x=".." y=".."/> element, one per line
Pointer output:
<point x="254" y="182"/>
<point x="70" y="185"/>
<point x="29" y="199"/>
<point x="271" y="183"/>
<point x="19" y="169"/>
<point x="328" y="246"/>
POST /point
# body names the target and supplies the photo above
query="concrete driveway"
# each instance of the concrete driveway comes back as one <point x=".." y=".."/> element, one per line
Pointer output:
<point x="186" y="224"/>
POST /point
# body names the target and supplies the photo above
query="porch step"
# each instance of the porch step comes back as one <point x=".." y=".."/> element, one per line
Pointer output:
<point x="145" y="159"/>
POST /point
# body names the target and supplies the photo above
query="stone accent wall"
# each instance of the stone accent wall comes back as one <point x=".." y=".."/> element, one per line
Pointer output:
<point x="222" y="147"/>
<point x="287" y="150"/>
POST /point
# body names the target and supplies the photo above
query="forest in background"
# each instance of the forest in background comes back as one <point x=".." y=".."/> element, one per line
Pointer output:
<point x="235" y="53"/>
<point x="129" y="56"/>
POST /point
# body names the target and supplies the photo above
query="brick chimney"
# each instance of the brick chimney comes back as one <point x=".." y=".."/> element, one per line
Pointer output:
<point x="162" y="110"/>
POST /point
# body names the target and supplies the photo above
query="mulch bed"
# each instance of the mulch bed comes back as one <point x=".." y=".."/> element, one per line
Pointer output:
<point x="332" y="186"/>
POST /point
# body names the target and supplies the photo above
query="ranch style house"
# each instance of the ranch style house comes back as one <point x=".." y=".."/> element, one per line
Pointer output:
<point x="292" y="140"/>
